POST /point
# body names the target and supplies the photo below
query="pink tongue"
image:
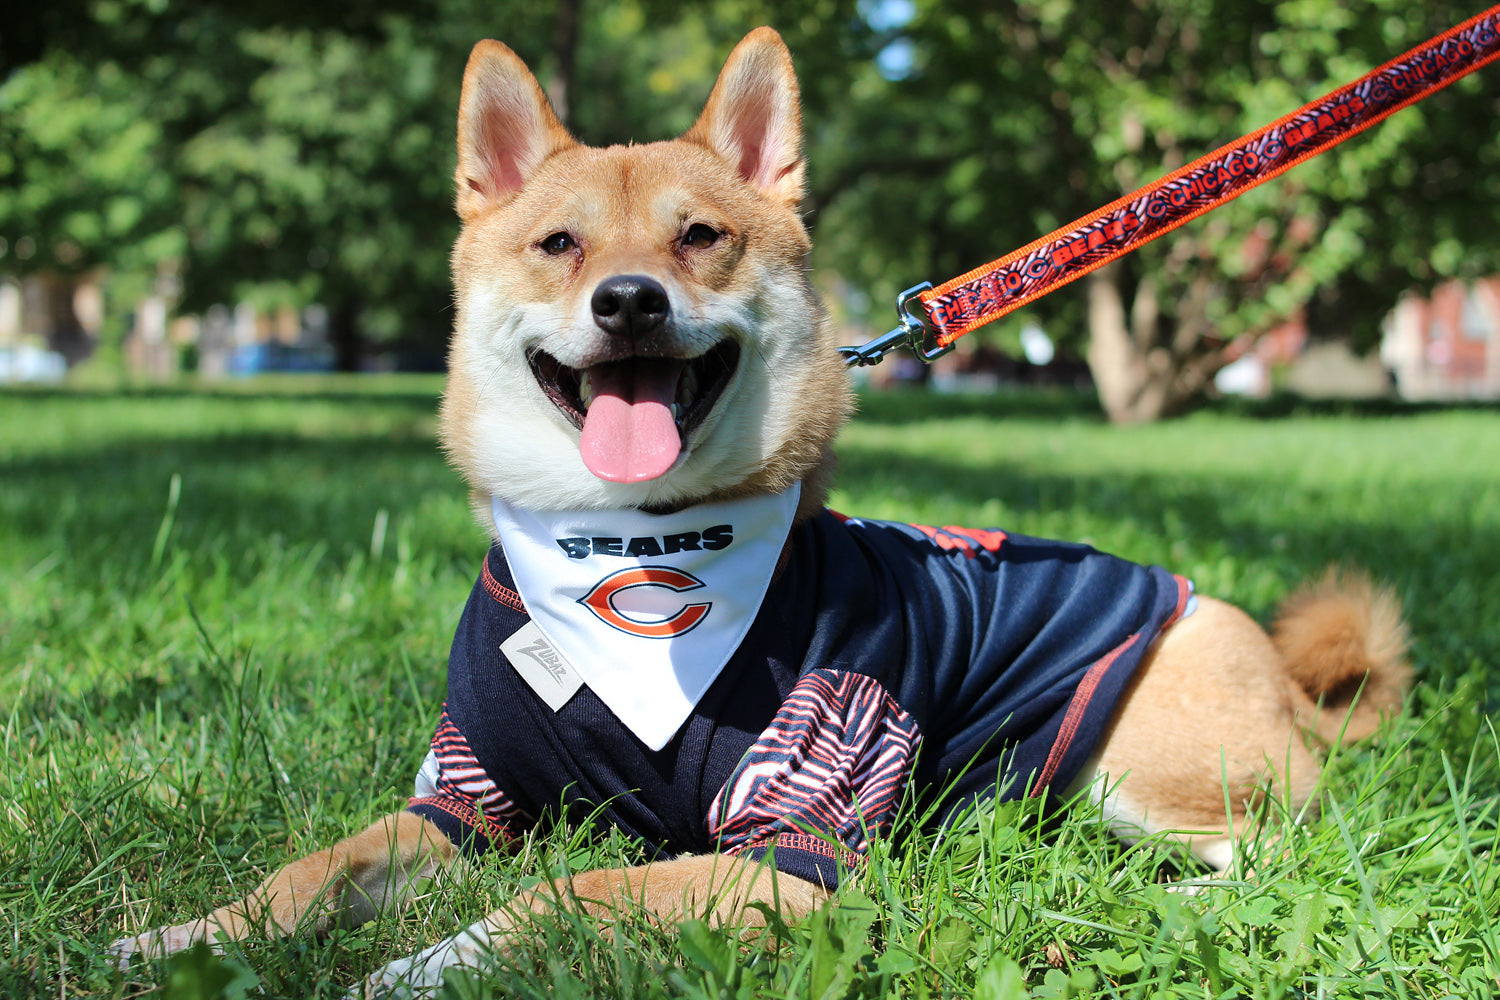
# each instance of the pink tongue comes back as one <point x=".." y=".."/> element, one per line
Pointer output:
<point x="629" y="435"/>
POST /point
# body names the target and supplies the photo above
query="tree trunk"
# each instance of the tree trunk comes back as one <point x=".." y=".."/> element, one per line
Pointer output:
<point x="1146" y="366"/>
<point x="565" y="56"/>
<point x="65" y="332"/>
<point x="344" y="336"/>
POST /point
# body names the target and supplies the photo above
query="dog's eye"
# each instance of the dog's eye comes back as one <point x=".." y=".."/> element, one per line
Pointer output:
<point x="557" y="243"/>
<point x="700" y="237"/>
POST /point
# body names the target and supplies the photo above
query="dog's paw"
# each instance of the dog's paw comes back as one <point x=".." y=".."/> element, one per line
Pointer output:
<point x="421" y="975"/>
<point x="157" y="943"/>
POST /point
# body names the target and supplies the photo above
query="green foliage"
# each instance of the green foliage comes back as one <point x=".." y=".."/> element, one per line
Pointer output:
<point x="1016" y="118"/>
<point x="199" y="974"/>
<point x="295" y="146"/>
<point x="304" y="153"/>
<point x="304" y="150"/>
<point x="207" y="679"/>
<point x="114" y="205"/>
<point x="336" y="159"/>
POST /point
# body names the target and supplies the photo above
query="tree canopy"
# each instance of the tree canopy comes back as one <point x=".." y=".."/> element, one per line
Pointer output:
<point x="1015" y="118"/>
<point x="306" y="149"/>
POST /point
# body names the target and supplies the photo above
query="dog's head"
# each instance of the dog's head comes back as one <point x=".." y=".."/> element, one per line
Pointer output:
<point x="635" y="327"/>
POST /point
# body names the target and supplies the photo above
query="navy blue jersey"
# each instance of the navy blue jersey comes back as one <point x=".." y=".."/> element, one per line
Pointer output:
<point x="886" y="658"/>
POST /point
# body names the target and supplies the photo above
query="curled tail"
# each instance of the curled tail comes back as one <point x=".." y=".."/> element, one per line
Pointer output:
<point x="1344" y="644"/>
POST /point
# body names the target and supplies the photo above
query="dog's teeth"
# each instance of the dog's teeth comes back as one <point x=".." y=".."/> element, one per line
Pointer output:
<point x="677" y="411"/>
<point x="586" y="390"/>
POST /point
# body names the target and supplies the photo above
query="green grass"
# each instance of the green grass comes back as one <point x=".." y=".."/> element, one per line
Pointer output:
<point x="224" y="619"/>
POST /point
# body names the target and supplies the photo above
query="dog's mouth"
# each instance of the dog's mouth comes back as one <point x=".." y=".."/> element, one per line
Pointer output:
<point x="636" y="414"/>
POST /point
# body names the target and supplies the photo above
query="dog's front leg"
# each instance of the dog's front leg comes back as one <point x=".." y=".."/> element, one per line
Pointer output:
<point x="716" y="887"/>
<point x="342" y="886"/>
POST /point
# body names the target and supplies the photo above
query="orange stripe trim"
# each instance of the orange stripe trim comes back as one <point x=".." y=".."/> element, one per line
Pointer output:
<point x="1085" y="693"/>
<point x="1184" y="594"/>
<point x="499" y="592"/>
<point x="497" y="834"/>
<point x="805" y="842"/>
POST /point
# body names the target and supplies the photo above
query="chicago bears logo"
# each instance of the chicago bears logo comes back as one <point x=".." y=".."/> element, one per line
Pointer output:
<point x="648" y="594"/>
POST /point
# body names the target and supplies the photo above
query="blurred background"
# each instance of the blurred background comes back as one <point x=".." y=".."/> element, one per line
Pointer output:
<point x="219" y="187"/>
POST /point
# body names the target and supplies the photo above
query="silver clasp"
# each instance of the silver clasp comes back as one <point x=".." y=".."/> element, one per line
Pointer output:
<point x="910" y="332"/>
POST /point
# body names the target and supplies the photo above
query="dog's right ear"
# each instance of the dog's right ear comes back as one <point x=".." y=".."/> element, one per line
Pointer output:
<point x="506" y="128"/>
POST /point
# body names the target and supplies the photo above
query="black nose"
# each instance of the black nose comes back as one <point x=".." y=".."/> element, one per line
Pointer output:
<point x="630" y="305"/>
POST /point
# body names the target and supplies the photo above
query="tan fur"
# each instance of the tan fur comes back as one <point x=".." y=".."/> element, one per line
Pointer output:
<point x="727" y="892"/>
<point x="738" y="169"/>
<point x="1214" y="717"/>
<point x="344" y="885"/>
<point x="1343" y="641"/>
<point x="500" y="101"/>
<point x="711" y="887"/>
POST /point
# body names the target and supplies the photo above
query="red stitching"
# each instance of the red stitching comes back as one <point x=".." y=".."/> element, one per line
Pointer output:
<point x="783" y="559"/>
<point x="1076" y="709"/>
<point x="806" y="842"/>
<point x="499" y="592"/>
<point x="1085" y="692"/>
<point x="497" y="834"/>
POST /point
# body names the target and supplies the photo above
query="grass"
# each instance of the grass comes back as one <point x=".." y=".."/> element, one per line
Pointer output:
<point x="224" y="618"/>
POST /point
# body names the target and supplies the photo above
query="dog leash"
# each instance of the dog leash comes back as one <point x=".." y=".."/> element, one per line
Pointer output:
<point x="931" y="319"/>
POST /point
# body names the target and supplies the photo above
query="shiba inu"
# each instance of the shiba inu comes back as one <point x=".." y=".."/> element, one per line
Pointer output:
<point x="671" y="632"/>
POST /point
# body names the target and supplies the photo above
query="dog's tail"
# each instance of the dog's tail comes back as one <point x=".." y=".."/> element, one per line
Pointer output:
<point x="1344" y="645"/>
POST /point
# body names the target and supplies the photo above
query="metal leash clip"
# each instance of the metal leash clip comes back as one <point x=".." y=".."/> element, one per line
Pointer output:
<point x="910" y="332"/>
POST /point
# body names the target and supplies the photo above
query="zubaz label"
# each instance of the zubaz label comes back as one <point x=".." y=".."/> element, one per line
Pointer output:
<point x="541" y="666"/>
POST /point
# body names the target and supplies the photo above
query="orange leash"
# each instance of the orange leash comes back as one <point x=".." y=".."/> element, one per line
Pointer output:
<point x="986" y="293"/>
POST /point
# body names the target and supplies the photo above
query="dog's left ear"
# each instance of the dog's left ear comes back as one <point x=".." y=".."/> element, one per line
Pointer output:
<point x="753" y="118"/>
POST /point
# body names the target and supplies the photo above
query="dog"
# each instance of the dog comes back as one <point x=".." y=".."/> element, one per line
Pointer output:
<point x="671" y="631"/>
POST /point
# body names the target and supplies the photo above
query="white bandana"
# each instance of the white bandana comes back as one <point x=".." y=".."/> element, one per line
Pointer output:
<point x="646" y="608"/>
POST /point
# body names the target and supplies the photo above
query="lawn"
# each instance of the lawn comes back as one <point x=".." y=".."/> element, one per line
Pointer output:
<point x="226" y="616"/>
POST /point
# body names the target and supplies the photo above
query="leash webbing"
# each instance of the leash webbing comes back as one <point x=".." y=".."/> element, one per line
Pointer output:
<point x="986" y="293"/>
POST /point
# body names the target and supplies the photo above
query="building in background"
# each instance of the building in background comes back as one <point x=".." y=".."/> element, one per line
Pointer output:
<point x="47" y="325"/>
<point x="1446" y="346"/>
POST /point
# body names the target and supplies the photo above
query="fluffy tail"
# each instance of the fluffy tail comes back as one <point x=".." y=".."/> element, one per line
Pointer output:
<point x="1344" y="644"/>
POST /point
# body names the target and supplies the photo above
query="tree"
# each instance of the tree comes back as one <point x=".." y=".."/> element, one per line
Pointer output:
<point x="306" y="149"/>
<point x="1018" y="117"/>
<point x="247" y="146"/>
<point x="66" y="215"/>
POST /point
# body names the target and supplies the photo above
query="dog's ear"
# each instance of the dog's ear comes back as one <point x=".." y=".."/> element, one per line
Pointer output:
<point x="506" y="128"/>
<point x="753" y="118"/>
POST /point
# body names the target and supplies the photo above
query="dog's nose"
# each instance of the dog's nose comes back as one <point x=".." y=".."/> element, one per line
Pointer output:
<point x="630" y="305"/>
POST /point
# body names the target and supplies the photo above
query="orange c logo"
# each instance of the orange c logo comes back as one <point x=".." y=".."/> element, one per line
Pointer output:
<point x="601" y="599"/>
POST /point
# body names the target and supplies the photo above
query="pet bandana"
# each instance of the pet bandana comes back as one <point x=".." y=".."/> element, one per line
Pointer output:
<point x="646" y="609"/>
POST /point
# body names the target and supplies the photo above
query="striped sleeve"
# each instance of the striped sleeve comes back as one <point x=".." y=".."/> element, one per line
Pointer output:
<point x="824" y="776"/>
<point x="454" y="792"/>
